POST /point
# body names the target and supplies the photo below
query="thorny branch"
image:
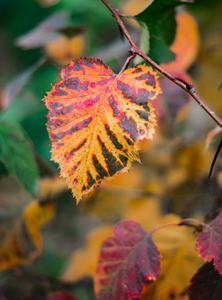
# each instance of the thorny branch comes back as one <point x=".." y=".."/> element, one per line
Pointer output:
<point x="188" y="87"/>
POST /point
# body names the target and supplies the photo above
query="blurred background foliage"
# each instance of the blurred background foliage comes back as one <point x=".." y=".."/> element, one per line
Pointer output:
<point x="37" y="37"/>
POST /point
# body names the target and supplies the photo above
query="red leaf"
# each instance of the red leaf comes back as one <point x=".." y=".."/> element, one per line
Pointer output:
<point x="209" y="243"/>
<point x="61" y="296"/>
<point x="96" y="119"/>
<point x="206" y="284"/>
<point x="127" y="260"/>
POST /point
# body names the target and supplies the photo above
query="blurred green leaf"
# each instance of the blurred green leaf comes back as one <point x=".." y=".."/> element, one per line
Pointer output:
<point x="16" y="84"/>
<point x="159" y="16"/>
<point x="144" y="42"/>
<point x="50" y="262"/>
<point x="17" y="155"/>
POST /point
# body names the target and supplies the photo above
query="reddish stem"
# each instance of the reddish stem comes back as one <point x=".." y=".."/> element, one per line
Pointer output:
<point x="188" y="87"/>
<point x="183" y="222"/>
<point x="199" y="223"/>
<point x="127" y="62"/>
<point x="161" y="227"/>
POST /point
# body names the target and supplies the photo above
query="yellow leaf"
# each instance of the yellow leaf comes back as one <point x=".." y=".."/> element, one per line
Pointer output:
<point x="23" y="242"/>
<point x="51" y="186"/>
<point x="35" y="217"/>
<point x="64" y="49"/>
<point x="192" y="158"/>
<point x="83" y="261"/>
<point x="208" y="79"/>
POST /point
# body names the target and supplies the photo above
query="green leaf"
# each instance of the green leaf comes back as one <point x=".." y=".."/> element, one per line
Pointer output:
<point x="160" y="52"/>
<point x="159" y="16"/>
<point x="144" y="42"/>
<point x="17" y="155"/>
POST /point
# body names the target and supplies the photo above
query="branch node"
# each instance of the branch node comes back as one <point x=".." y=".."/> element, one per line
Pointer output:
<point x="132" y="51"/>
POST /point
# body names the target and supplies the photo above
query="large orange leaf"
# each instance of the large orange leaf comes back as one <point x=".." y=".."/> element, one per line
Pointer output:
<point x="96" y="118"/>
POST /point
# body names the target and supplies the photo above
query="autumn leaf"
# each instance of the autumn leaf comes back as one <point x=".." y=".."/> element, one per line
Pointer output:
<point x="63" y="49"/>
<point x="132" y="7"/>
<point x="209" y="243"/>
<point x="96" y="119"/>
<point x="51" y="186"/>
<point x="83" y="261"/>
<point x="62" y="295"/>
<point x="23" y="242"/>
<point x="206" y="284"/>
<point x="210" y="63"/>
<point x="179" y="259"/>
<point x="127" y="260"/>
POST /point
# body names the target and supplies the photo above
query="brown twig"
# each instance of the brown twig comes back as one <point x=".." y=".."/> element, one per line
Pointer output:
<point x="215" y="158"/>
<point x="188" y="87"/>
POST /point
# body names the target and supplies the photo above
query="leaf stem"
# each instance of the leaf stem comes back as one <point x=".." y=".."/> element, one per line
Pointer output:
<point x="161" y="227"/>
<point x="127" y="62"/>
<point x="183" y="222"/>
<point x="188" y="87"/>
<point x="186" y="222"/>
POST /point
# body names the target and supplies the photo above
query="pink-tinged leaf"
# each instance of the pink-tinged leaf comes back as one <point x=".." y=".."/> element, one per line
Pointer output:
<point x="16" y="84"/>
<point x="206" y="284"/>
<point x="209" y="243"/>
<point x="62" y="295"/>
<point x="172" y="100"/>
<point x="127" y="261"/>
<point x="43" y="32"/>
